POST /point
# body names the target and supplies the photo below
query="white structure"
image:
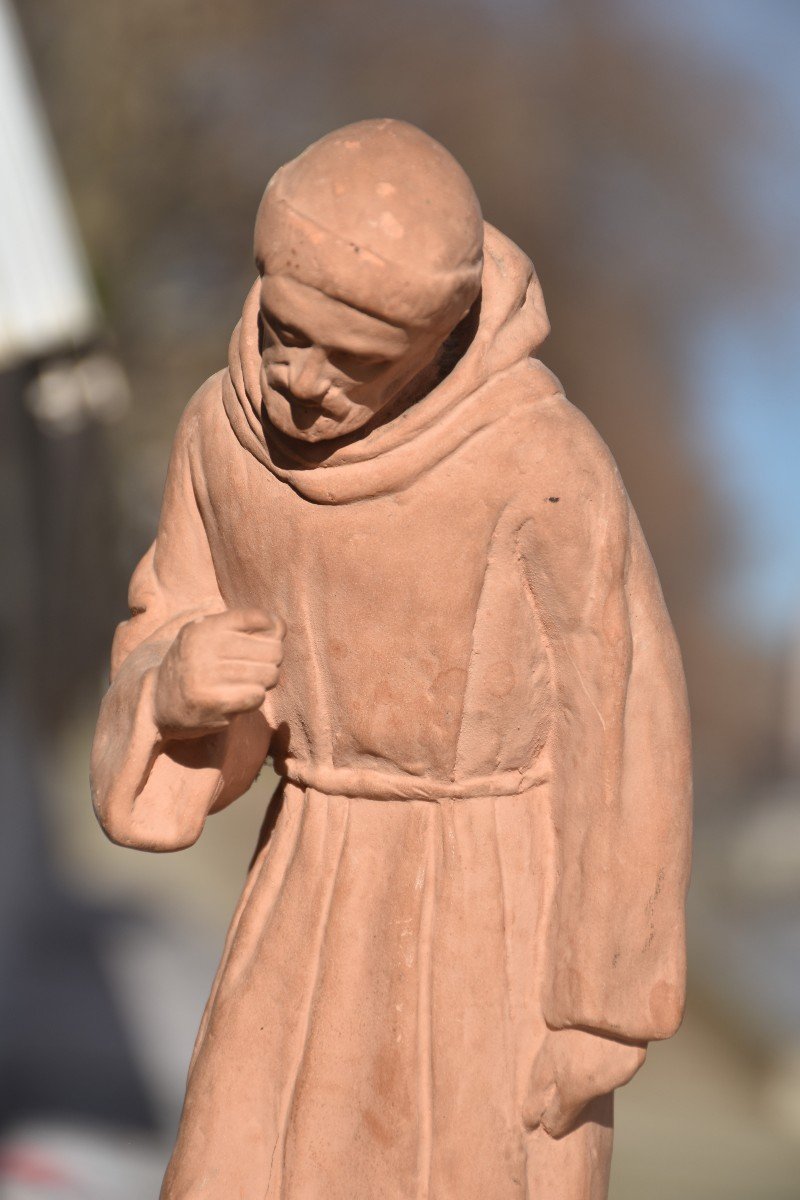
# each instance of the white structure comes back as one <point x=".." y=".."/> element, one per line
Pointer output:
<point x="47" y="302"/>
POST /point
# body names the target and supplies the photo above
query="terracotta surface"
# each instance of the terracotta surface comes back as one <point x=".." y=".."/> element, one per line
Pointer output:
<point x="394" y="558"/>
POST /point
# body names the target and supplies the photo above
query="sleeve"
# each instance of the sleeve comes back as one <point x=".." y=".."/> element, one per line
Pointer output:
<point x="149" y="793"/>
<point x="619" y="765"/>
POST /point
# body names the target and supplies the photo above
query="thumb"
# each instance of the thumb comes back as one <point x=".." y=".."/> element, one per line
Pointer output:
<point x="562" y="1111"/>
<point x="538" y="1104"/>
<point x="542" y="1086"/>
<point x="249" y="620"/>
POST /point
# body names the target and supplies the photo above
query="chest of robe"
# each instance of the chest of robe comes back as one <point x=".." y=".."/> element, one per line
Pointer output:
<point x="413" y="644"/>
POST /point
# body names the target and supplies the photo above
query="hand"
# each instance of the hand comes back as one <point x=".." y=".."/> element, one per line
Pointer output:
<point x="217" y="667"/>
<point x="571" y="1067"/>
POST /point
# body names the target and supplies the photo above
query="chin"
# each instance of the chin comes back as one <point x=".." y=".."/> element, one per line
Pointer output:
<point x="308" y="427"/>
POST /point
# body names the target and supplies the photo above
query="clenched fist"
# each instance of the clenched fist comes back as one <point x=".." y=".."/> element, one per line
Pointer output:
<point x="217" y="667"/>
<point x="572" y="1067"/>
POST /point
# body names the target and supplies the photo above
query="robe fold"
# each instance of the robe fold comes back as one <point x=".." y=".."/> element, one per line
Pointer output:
<point x="482" y="826"/>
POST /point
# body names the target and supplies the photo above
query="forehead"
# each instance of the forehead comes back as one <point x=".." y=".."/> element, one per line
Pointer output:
<point x="328" y="322"/>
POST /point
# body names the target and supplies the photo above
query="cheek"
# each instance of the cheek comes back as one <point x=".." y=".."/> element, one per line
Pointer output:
<point x="381" y="377"/>
<point x="368" y="394"/>
<point x="355" y="384"/>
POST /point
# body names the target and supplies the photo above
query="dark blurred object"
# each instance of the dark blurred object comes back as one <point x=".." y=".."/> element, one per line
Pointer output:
<point x="60" y="526"/>
<point x="63" y="1050"/>
<point x="57" y="390"/>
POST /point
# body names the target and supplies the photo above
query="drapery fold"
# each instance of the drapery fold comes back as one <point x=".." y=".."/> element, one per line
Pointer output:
<point x="376" y="1013"/>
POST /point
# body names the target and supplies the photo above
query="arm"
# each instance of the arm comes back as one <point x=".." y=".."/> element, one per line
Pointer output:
<point x="156" y="771"/>
<point x="620" y="794"/>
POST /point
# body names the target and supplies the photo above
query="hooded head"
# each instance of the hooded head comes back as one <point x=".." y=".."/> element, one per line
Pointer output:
<point x="370" y="252"/>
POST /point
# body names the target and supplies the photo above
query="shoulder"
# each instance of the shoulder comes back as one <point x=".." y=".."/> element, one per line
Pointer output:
<point x="554" y="431"/>
<point x="201" y="433"/>
<point x="568" y="488"/>
<point x="558" y="446"/>
<point x="201" y="419"/>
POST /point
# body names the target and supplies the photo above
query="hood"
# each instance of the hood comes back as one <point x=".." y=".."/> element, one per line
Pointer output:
<point x="512" y="324"/>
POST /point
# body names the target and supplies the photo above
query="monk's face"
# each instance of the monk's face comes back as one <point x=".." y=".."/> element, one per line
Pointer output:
<point x="327" y="368"/>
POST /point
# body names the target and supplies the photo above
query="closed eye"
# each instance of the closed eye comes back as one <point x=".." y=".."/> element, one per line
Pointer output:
<point x="357" y="366"/>
<point x="293" y="337"/>
<point x="287" y="335"/>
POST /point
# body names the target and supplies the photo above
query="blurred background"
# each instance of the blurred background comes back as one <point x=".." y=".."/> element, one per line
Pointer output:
<point x="646" y="157"/>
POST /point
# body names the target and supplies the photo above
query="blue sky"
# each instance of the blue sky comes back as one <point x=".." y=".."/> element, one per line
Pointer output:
<point x="746" y="374"/>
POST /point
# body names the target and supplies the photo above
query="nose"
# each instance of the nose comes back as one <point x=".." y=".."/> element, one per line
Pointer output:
<point x="307" y="375"/>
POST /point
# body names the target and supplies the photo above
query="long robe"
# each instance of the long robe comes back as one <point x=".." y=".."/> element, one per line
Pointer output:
<point x="482" y="828"/>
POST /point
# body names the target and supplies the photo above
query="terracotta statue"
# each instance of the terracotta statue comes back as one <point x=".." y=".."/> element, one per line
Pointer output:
<point x="395" y="560"/>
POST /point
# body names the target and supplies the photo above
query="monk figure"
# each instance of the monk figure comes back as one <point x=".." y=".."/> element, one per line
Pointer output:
<point x="394" y="560"/>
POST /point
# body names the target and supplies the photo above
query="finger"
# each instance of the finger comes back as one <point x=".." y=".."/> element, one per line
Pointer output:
<point x="278" y="626"/>
<point x="275" y="634"/>
<point x="247" y="620"/>
<point x="541" y="1078"/>
<point x="532" y="1114"/>
<point x="250" y="647"/>
<point x="255" y="674"/>
<point x="246" y="698"/>
<point x="536" y="1103"/>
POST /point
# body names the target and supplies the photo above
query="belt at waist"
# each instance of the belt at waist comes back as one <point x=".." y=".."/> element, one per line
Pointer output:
<point x="366" y="784"/>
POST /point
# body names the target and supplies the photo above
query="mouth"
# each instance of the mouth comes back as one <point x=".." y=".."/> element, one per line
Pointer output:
<point x="314" y="407"/>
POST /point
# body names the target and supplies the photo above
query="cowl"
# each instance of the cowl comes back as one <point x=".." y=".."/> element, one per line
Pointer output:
<point x="512" y="323"/>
